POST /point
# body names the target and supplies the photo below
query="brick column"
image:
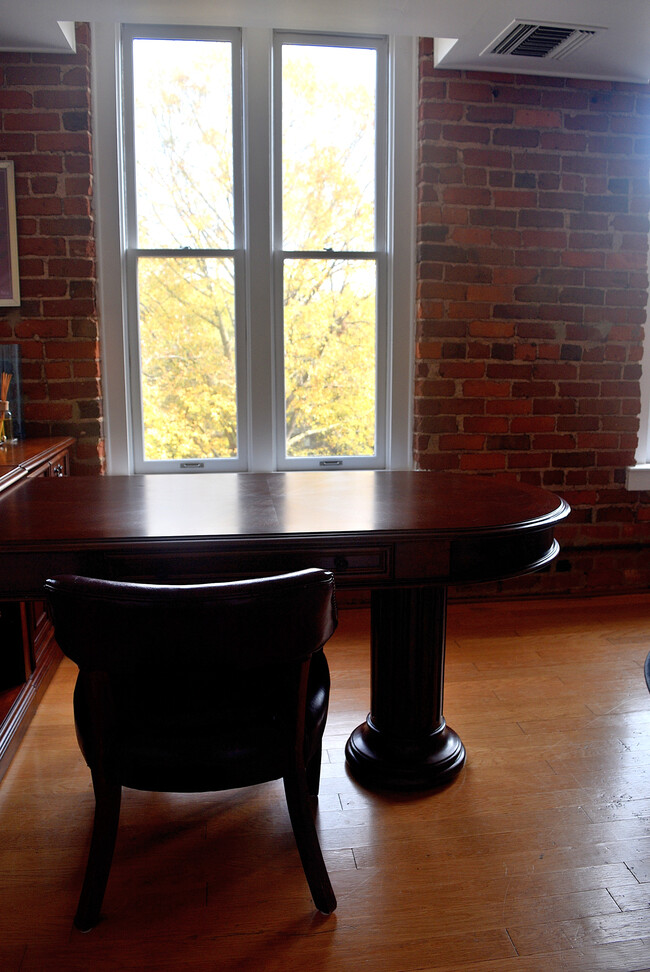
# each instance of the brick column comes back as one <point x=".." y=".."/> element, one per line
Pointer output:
<point x="45" y="129"/>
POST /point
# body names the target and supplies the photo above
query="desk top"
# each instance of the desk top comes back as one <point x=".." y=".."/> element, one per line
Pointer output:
<point x="98" y="510"/>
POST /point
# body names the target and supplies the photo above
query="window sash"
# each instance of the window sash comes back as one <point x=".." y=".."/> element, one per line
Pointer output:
<point x="378" y="255"/>
<point x="134" y="254"/>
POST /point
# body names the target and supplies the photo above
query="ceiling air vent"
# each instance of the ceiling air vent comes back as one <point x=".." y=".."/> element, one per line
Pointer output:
<point x="540" y="40"/>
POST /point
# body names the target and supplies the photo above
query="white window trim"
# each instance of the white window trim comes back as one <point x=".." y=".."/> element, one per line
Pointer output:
<point x="109" y="191"/>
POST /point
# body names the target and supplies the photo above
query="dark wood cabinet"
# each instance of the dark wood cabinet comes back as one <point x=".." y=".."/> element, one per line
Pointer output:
<point x="28" y="653"/>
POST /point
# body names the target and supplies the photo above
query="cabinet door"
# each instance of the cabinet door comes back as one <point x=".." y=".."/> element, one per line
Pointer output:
<point x="59" y="467"/>
<point x="40" y="629"/>
<point x="15" y="663"/>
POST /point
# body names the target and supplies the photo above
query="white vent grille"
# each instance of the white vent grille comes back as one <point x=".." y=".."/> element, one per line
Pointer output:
<point x="540" y="40"/>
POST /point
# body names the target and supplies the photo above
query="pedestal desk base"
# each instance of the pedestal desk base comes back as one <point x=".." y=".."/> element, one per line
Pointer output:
<point x="394" y="764"/>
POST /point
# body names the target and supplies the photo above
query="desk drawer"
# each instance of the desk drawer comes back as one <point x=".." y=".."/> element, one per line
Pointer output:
<point x="350" y="566"/>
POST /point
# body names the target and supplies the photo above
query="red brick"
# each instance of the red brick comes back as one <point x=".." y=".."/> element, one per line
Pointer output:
<point x="477" y="134"/>
<point x="510" y="406"/>
<point x="514" y="198"/>
<point x="486" y="389"/>
<point x="561" y="142"/>
<point x="48" y="411"/>
<point x="495" y="425"/>
<point x="462" y="369"/>
<point x="482" y="462"/>
<point x="31" y="122"/>
<point x="492" y="329"/>
<point x="65" y="142"/>
<point x="538" y="118"/>
<point x="527" y="460"/>
<point x="531" y="423"/>
<point x="68" y="307"/>
<point x="461" y="442"/>
<point x="62" y="98"/>
<point x="428" y="349"/>
<point x="15" y="100"/>
<point x="71" y="350"/>
<point x="29" y="75"/>
<point x="465" y="91"/>
<point x="57" y="369"/>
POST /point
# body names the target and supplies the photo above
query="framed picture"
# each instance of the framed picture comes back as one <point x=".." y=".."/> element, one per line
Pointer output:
<point x="9" y="282"/>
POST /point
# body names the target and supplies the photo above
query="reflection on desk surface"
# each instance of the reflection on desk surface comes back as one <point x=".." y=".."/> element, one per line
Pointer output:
<point x="270" y="504"/>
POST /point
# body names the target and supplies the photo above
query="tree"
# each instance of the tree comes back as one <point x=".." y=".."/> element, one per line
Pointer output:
<point x="186" y="304"/>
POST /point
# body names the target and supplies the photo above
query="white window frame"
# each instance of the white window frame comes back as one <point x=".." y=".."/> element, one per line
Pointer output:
<point x="133" y="252"/>
<point x="261" y="436"/>
<point x="379" y="254"/>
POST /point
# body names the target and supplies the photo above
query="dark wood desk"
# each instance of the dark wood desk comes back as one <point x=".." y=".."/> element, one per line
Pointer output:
<point x="404" y="535"/>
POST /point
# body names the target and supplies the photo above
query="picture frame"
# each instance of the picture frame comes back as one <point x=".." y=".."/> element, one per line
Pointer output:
<point x="9" y="277"/>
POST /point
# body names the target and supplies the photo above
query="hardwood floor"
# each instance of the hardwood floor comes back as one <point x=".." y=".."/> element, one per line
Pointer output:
<point x="536" y="859"/>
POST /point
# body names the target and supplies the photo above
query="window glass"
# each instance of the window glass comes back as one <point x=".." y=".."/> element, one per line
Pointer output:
<point x="329" y="357"/>
<point x="183" y="143"/>
<point x="329" y="165"/>
<point x="187" y="357"/>
<point x="184" y="200"/>
<point x="328" y="147"/>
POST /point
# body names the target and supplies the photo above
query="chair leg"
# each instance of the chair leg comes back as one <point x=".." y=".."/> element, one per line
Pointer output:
<point x="304" y="830"/>
<point x="313" y="771"/>
<point x="108" y="797"/>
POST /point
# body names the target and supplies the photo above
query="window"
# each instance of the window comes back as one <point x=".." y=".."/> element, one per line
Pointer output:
<point x="260" y="277"/>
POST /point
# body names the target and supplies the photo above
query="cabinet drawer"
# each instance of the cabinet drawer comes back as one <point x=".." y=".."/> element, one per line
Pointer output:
<point x="58" y="467"/>
<point x="353" y="566"/>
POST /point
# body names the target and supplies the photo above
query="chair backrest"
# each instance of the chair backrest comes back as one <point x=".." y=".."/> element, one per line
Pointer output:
<point x="196" y="687"/>
<point x="122" y="628"/>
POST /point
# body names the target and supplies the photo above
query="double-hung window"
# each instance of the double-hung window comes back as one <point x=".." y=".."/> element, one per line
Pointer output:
<point x="258" y="198"/>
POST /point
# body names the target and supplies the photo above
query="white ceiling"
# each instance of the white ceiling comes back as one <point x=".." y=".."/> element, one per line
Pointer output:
<point x="464" y="28"/>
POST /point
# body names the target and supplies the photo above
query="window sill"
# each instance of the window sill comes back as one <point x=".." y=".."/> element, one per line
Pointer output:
<point x="638" y="477"/>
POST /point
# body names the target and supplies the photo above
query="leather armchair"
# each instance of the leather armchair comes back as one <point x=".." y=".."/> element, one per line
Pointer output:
<point x="198" y="688"/>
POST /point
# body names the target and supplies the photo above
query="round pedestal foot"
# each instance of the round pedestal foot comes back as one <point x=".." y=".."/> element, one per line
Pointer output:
<point x="393" y="763"/>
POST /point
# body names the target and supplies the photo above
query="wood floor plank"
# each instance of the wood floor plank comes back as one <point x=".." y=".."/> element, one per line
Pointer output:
<point x="623" y="957"/>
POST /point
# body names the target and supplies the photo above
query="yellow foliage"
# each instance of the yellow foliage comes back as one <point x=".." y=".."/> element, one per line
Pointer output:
<point x="187" y="305"/>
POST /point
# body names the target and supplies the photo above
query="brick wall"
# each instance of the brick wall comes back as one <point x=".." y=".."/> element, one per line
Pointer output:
<point x="45" y="130"/>
<point x="532" y="292"/>
<point x="532" y="289"/>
